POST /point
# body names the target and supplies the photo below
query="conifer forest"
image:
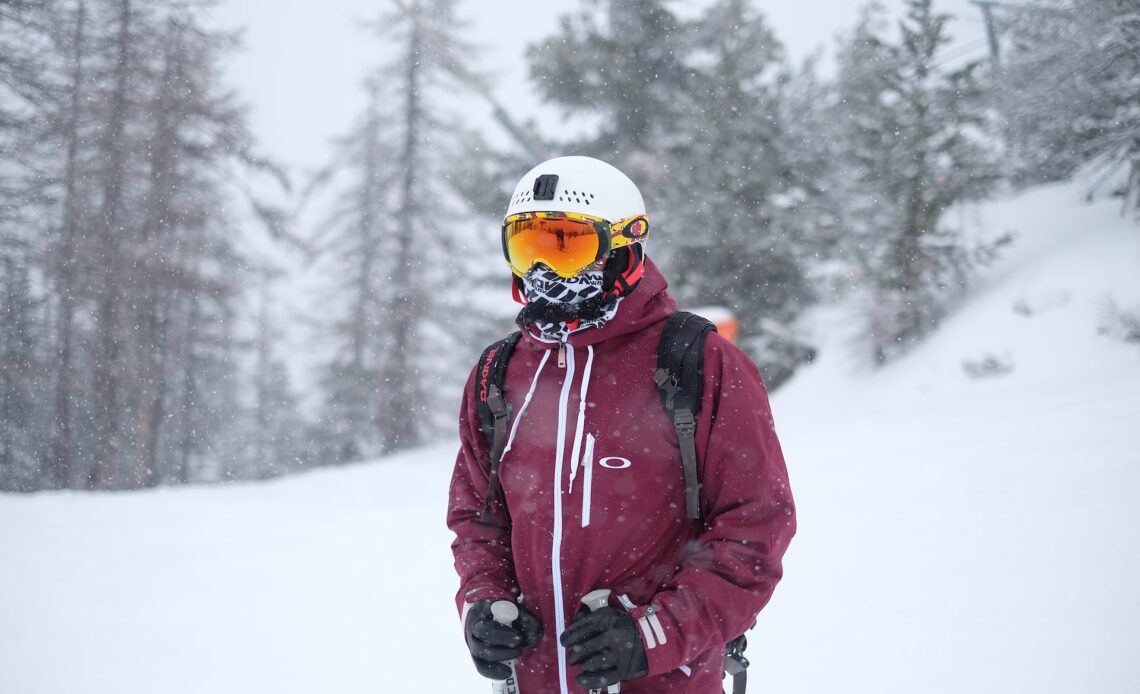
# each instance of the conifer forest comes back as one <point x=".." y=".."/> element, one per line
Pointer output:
<point x="146" y="234"/>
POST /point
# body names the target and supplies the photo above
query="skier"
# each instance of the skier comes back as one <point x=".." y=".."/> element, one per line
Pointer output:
<point x="584" y="486"/>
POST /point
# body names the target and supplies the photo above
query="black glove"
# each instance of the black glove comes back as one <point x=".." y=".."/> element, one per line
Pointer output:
<point x="606" y="644"/>
<point x="491" y="643"/>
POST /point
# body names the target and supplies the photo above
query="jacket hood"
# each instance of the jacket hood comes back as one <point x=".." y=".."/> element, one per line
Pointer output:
<point x="647" y="304"/>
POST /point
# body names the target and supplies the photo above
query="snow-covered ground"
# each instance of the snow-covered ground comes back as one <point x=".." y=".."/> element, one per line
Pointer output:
<point x="956" y="534"/>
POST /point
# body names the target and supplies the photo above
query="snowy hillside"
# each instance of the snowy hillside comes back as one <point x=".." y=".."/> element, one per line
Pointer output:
<point x="957" y="533"/>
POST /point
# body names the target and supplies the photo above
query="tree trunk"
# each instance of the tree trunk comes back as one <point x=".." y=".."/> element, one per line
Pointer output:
<point x="65" y="385"/>
<point x="107" y="369"/>
<point x="400" y="404"/>
<point x="148" y="260"/>
<point x="186" y="446"/>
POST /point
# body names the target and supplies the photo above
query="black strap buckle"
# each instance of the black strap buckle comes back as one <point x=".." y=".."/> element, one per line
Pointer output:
<point x="667" y="382"/>
<point x="685" y="423"/>
<point x="734" y="661"/>
<point x="496" y="402"/>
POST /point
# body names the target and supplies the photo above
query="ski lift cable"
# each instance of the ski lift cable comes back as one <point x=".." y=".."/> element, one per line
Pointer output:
<point x="1033" y="7"/>
<point x="960" y="52"/>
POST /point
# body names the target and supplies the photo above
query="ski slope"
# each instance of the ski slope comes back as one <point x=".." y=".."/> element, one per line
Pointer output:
<point x="957" y="534"/>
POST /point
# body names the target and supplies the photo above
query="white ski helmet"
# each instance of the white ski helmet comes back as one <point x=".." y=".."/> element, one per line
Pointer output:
<point x="577" y="184"/>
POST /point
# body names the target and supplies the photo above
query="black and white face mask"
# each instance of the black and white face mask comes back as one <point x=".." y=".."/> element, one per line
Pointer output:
<point x="553" y="301"/>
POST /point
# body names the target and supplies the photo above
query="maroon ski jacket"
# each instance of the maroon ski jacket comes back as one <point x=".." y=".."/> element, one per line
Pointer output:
<point x="594" y="485"/>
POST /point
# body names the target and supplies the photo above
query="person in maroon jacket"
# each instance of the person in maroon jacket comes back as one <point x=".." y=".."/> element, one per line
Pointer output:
<point x="593" y="491"/>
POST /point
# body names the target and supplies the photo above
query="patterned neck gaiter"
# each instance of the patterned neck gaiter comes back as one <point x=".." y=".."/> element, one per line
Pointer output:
<point x="557" y="306"/>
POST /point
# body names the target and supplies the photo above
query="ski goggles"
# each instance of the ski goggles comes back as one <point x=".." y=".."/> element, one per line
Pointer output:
<point x="566" y="242"/>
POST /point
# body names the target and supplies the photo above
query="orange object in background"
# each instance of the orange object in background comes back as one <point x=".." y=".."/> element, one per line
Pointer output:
<point x="724" y="320"/>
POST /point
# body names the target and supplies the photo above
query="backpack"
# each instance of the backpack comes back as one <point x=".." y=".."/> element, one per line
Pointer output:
<point x="680" y="378"/>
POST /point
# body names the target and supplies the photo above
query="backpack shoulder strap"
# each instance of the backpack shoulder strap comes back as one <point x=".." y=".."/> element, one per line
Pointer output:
<point x="491" y="406"/>
<point x="680" y="376"/>
<point x="489" y="377"/>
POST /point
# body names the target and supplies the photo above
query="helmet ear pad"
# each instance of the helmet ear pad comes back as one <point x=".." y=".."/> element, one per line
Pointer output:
<point x="623" y="270"/>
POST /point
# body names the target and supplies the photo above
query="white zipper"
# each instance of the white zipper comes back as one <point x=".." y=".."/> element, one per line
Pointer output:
<point x="587" y="479"/>
<point x="574" y="455"/>
<point x="526" y="402"/>
<point x="556" y="548"/>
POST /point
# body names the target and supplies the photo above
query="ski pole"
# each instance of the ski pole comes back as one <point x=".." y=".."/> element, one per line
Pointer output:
<point x="505" y="612"/>
<point x="595" y="600"/>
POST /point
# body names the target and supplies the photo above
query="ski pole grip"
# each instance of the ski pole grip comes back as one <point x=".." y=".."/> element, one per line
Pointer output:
<point x="504" y="612"/>
<point x="596" y="600"/>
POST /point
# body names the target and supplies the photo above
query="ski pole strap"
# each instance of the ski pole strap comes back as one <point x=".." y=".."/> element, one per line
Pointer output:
<point x="736" y="664"/>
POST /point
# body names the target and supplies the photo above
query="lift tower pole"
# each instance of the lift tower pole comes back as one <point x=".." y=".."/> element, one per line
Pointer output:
<point x="987" y="7"/>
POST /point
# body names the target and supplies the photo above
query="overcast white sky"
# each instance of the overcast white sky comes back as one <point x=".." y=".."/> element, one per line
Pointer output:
<point x="303" y="60"/>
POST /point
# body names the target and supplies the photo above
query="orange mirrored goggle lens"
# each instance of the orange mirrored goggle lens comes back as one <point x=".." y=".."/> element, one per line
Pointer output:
<point x="566" y="245"/>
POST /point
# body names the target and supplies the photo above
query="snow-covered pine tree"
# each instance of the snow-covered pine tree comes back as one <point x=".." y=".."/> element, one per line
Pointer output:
<point x="622" y="65"/>
<point x="27" y="91"/>
<point x="812" y="201"/>
<point x="394" y="246"/>
<point x="690" y="109"/>
<point x="354" y="242"/>
<point x="275" y="443"/>
<point x="738" y="234"/>
<point x="915" y="146"/>
<point x="1070" y="89"/>
<point x="23" y="427"/>
<point x="168" y="282"/>
<point x="71" y="130"/>
<point x="130" y="141"/>
<point x="196" y="132"/>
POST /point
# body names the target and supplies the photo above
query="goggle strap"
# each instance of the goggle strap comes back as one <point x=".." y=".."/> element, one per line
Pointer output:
<point x="635" y="276"/>
<point x="624" y="280"/>
<point x="517" y="290"/>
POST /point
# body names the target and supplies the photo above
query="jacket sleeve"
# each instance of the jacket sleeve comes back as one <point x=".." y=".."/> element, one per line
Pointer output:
<point x="482" y="551"/>
<point x="748" y="517"/>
